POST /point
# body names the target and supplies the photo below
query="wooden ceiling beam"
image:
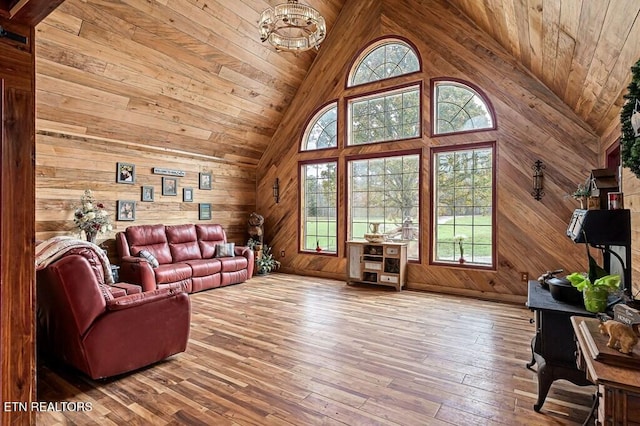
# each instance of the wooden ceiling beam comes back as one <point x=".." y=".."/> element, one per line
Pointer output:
<point x="29" y="12"/>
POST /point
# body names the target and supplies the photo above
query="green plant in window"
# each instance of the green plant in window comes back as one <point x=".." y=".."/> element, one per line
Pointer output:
<point x="459" y="239"/>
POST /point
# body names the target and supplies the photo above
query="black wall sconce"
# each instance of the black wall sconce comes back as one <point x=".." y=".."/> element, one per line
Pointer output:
<point x="12" y="36"/>
<point x="276" y="191"/>
<point x="538" y="177"/>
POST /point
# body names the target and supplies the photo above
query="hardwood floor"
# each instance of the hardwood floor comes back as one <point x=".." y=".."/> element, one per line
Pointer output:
<point x="290" y="350"/>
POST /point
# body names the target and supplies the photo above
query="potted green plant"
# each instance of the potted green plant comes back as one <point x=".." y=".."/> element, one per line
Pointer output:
<point x="254" y="244"/>
<point x="581" y="194"/>
<point x="459" y="239"/>
<point x="266" y="263"/>
<point x="595" y="286"/>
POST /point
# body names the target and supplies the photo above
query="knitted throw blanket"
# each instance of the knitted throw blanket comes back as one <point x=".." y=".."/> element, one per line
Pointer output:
<point x="54" y="248"/>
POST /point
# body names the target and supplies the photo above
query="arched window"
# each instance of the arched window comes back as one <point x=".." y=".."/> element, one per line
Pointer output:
<point x="385" y="59"/>
<point x="322" y="130"/>
<point x="459" y="108"/>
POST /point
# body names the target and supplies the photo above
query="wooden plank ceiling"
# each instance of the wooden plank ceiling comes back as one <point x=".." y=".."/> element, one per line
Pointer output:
<point x="196" y="72"/>
<point x="173" y="74"/>
<point x="581" y="49"/>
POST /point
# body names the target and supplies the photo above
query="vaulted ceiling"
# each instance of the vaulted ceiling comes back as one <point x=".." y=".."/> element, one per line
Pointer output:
<point x="580" y="49"/>
<point x="196" y="72"/>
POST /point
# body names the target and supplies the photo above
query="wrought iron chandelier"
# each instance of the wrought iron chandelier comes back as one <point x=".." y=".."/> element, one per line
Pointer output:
<point x="292" y="27"/>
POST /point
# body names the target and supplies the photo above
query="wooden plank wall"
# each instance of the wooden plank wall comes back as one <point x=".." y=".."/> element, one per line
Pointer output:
<point x="170" y="89"/>
<point x="157" y="92"/>
<point x="532" y="124"/>
<point x="90" y="163"/>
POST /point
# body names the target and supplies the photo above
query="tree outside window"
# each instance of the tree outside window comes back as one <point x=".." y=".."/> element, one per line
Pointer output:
<point x="319" y="207"/>
<point x="463" y="205"/>
<point x="459" y="108"/>
<point x="388" y="116"/>
<point x="322" y="130"/>
<point x="386" y="190"/>
<point x="386" y="60"/>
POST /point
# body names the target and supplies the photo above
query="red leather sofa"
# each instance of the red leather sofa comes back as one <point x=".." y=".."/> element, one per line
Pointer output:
<point x="81" y="323"/>
<point x="186" y="254"/>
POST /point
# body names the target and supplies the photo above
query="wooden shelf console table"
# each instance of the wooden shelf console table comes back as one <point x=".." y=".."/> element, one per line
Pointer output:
<point x="618" y="397"/>
<point x="553" y="346"/>
<point x="377" y="263"/>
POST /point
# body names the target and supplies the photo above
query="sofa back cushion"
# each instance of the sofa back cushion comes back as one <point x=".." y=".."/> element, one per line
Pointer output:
<point x="151" y="238"/>
<point x="183" y="242"/>
<point x="209" y="236"/>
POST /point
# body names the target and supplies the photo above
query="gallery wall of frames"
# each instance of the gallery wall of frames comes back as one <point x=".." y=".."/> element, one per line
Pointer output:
<point x="137" y="186"/>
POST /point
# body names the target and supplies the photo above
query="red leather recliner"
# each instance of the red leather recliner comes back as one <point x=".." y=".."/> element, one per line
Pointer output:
<point x="82" y="324"/>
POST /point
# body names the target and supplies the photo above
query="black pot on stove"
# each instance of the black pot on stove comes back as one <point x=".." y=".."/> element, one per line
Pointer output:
<point x="561" y="288"/>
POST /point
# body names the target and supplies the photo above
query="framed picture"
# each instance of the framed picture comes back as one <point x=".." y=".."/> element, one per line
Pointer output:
<point x="205" y="181"/>
<point x="126" y="210"/>
<point x="204" y="211"/>
<point x="187" y="195"/>
<point x="147" y="194"/>
<point x="125" y="173"/>
<point x="169" y="186"/>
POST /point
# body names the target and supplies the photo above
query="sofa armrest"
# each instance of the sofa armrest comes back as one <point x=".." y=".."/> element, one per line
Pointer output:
<point x="126" y="288"/>
<point x="241" y="250"/>
<point x="116" y="292"/>
<point x="247" y="253"/>
<point x="136" y="270"/>
<point x="132" y="259"/>
<point x="137" y="299"/>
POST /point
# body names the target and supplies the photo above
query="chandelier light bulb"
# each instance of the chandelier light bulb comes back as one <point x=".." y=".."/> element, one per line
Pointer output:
<point x="292" y="27"/>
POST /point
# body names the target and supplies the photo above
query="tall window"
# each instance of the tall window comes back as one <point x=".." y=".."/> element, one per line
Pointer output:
<point x="387" y="191"/>
<point x="459" y="108"/>
<point x="322" y="131"/>
<point x="387" y="116"/>
<point x="318" y="210"/>
<point x="387" y="59"/>
<point x="463" y="213"/>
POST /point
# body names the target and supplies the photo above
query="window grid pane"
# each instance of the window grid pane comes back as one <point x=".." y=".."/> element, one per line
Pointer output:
<point x="319" y="212"/>
<point x="385" y="61"/>
<point x="322" y="131"/>
<point x="385" y="117"/>
<point x="463" y="207"/>
<point x="386" y="190"/>
<point x="459" y="108"/>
